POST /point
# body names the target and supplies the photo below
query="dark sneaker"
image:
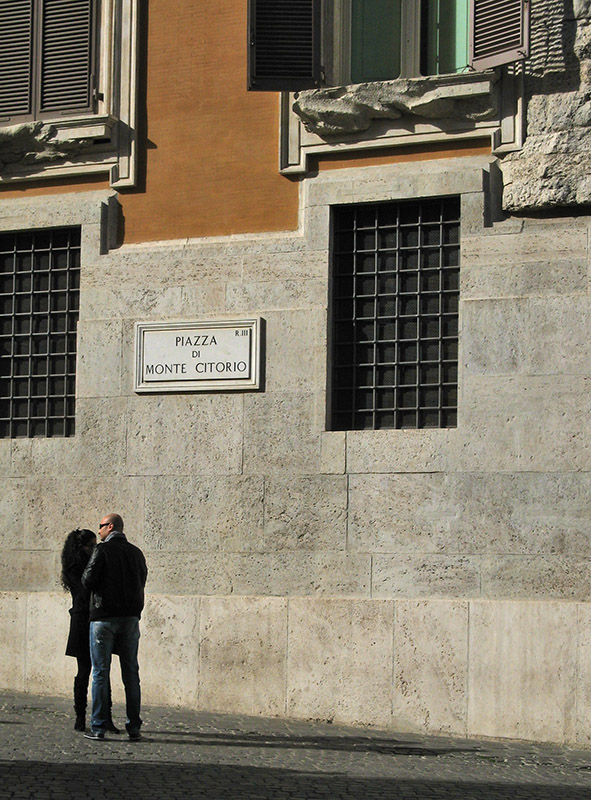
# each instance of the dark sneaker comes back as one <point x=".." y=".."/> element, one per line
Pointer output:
<point x="97" y="735"/>
<point x="135" y="736"/>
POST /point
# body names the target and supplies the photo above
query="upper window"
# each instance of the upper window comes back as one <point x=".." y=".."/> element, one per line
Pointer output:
<point x="68" y="73"/>
<point x="47" y="52"/>
<point x="387" y="39"/>
<point x="300" y="44"/>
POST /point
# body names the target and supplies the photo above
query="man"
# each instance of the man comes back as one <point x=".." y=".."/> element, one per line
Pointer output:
<point x="116" y="576"/>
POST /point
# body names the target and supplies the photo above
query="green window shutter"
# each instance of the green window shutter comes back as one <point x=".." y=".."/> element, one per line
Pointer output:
<point x="66" y="55"/>
<point x="16" y="54"/>
<point x="499" y="32"/>
<point x="283" y="44"/>
<point x="375" y="40"/>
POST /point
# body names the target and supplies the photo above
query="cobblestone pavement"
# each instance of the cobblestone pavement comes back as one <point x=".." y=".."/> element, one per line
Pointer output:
<point x="194" y="755"/>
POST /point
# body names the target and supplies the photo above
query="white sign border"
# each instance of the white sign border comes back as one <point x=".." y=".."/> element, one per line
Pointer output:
<point x="219" y="385"/>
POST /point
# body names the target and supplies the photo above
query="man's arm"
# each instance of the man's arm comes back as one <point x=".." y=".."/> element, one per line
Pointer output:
<point x="94" y="569"/>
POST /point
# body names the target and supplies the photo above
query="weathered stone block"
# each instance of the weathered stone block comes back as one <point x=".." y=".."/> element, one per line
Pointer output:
<point x="410" y="576"/>
<point x="397" y="450"/>
<point x="13" y="626"/>
<point x="97" y="448"/>
<point x="537" y="577"/>
<point x="13" y="502"/>
<point x="496" y="335"/>
<point x="242" y="647"/>
<point x="399" y="513"/>
<point x="81" y="503"/>
<point x="261" y="297"/>
<point x="340" y="660"/>
<point x="555" y="435"/>
<point x="295" y="573"/>
<point x="169" y="650"/>
<point x="183" y="513"/>
<point x="583" y="698"/>
<point x="560" y="341"/>
<point x="431" y="665"/>
<point x="280" y="434"/>
<point x="305" y="513"/>
<point x="29" y="570"/>
<point x="522" y="672"/>
<point x="185" y="435"/>
<point x="563" y="238"/>
<point x="98" y="368"/>
<point x="295" y="350"/>
<point x="533" y="279"/>
<point x="48" y="623"/>
<point x="333" y="452"/>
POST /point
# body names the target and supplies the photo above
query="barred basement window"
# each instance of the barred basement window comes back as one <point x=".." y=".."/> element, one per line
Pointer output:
<point x="394" y="315"/>
<point x="39" y="291"/>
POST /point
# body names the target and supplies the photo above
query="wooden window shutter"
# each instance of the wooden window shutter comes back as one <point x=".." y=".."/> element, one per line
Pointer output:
<point x="16" y="55"/>
<point x="66" y="55"/>
<point x="283" y="44"/>
<point x="499" y="32"/>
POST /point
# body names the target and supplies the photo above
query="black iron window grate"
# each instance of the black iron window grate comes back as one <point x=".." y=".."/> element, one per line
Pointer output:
<point x="394" y="312"/>
<point x="39" y="293"/>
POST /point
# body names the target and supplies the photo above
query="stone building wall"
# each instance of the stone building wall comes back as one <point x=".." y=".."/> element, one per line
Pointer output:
<point x="418" y="579"/>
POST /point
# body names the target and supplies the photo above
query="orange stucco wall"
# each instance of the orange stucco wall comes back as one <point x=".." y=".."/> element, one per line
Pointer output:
<point x="212" y="154"/>
<point x="208" y="149"/>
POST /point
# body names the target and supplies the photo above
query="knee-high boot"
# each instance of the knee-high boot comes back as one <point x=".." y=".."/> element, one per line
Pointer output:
<point x="80" y="693"/>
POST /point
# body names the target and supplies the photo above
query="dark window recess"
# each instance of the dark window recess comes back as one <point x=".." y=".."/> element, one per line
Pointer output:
<point x="284" y="44"/>
<point x="39" y="292"/>
<point x="394" y="315"/>
<point x="47" y="53"/>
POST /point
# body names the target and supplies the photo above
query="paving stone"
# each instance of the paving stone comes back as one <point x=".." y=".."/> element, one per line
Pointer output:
<point x="185" y="754"/>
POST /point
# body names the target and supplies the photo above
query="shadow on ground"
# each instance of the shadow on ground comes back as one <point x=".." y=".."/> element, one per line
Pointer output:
<point x="350" y="744"/>
<point x="34" y="780"/>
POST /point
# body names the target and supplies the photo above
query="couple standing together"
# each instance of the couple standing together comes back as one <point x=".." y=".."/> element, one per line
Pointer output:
<point x="114" y="578"/>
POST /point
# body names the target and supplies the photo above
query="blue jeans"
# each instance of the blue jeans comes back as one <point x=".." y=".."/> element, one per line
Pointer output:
<point x="121" y="634"/>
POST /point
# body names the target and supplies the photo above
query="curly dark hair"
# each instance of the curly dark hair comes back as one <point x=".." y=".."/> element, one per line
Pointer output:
<point x="74" y="556"/>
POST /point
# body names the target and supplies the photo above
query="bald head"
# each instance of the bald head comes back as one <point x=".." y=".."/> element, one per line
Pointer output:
<point x="110" y="523"/>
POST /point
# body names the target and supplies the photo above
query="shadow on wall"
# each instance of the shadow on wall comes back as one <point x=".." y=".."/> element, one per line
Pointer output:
<point x="553" y="65"/>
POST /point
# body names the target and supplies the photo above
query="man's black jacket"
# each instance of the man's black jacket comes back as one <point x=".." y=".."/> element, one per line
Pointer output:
<point x="116" y="576"/>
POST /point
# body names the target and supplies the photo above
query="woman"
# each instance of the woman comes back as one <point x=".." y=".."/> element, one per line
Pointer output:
<point x="77" y="550"/>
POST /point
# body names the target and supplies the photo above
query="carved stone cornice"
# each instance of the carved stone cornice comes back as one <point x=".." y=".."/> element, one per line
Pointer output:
<point x="349" y="109"/>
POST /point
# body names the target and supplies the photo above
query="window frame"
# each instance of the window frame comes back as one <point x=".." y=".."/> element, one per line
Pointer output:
<point x="416" y="287"/>
<point x="36" y="78"/>
<point x="102" y="139"/>
<point x="39" y="351"/>
<point x="330" y="26"/>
